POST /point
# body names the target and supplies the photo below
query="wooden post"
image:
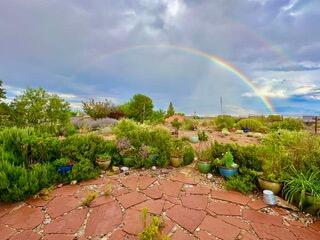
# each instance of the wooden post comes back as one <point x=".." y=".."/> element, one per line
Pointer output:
<point x="316" y="125"/>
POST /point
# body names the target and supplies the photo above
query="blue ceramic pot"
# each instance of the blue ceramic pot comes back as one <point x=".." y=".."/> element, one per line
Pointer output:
<point x="227" y="172"/>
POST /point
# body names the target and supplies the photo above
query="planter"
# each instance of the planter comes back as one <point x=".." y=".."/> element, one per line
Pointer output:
<point x="104" y="164"/>
<point x="227" y="172"/>
<point x="312" y="205"/>
<point x="65" y="169"/>
<point x="194" y="139"/>
<point x="275" y="187"/>
<point x="204" y="167"/>
<point x="175" y="161"/>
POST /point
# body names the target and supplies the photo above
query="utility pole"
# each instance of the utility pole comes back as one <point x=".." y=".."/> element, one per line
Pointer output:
<point x="221" y="105"/>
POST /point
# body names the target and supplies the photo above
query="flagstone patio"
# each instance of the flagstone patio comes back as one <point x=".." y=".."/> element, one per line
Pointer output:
<point x="191" y="208"/>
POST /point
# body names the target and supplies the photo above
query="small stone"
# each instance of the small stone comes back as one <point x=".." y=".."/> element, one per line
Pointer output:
<point x="60" y="185"/>
<point x="126" y="173"/>
<point x="209" y="176"/>
<point x="197" y="229"/>
<point x="73" y="182"/>
<point x="124" y="169"/>
<point x="47" y="221"/>
<point x="154" y="168"/>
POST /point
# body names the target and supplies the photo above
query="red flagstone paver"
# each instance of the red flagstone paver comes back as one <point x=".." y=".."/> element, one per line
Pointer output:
<point x="316" y="225"/>
<point x="167" y="205"/>
<point x="265" y="231"/>
<point x="168" y="225"/>
<point x="67" y="190"/>
<point x="101" y="200"/>
<point x="23" y="218"/>
<point x="132" y="222"/>
<point x="304" y="233"/>
<point x="180" y="177"/>
<point x="219" y="228"/>
<point x="153" y="206"/>
<point x="26" y="235"/>
<point x="117" y="235"/>
<point x="153" y="192"/>
<point x="257" y="204"/>
<point x="130" y="182"/>
<point x="187" y="218"/>
<point x="224" y="208"/>
<point x="198" y="190"/>
<point x="170" y="188"/>
<point x="58" y="237"/>
<point x="61" y="205"/>
<point x="120" y="191"/>
<point x="7" y="207"/>
<point x="258" y="217"/>
<point x="145" y="181"/>
<point x="39" y="202"/>
<point x="198" y="202"/>
<point x="6" y="232"/>
<point x="131" y="199"/>
<point x="181" y="235"/>
<point x="173" y="200"/>
<point x="247" y="236"/>
<point x="69" y="223"/>
<point x="203" y="235"/>
<point x="104" y="219"/>
<point x="97" y="181"/>
<point x="230" y="197"/>
<point x="237" y="222"/>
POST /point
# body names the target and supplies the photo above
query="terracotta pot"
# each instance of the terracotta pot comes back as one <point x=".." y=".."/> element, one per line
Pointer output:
<point x="204" y="167"/>
<point x="176" y="161"/>
<point x="275" y="187"/>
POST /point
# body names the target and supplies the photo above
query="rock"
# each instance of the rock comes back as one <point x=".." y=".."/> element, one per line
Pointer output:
<point x="154" y="168"/>
<point x="284" y="204"/>
<point x="209" y="176"/>
<point x="47" y="221"/>
<point x="73" y="182"/>
<point x="60" y="185"/>
<point x="124" y="169"/>
<point x="126" y="173"/>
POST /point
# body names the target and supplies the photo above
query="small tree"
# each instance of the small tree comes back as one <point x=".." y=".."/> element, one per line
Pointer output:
<point x="4" y="108"/>
<point x="97" y="110"/>
<point x="37" y="108"/>
<point x="140" y="107"/>
<point x="170" y="111"/>
<point x="2" y="92"/>
<point x="176" y="125"/>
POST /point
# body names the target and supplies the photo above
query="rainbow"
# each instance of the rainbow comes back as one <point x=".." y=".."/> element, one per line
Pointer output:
<point x="215" y="59"/>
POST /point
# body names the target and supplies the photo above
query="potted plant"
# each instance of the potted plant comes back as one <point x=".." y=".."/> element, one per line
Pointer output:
<point x="227" y="167"/>
<point x="177" y="153"/>
<point x="204" y="164"/>
<point x="104" y="161"/>
<point x="272" y="159"/>
<point x="303" y="189"/>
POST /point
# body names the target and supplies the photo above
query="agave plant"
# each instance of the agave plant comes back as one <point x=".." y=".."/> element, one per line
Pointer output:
<point x="299" y="184"/>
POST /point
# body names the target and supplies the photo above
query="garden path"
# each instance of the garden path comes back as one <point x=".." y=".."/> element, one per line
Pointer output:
<point x="190" y="208"/>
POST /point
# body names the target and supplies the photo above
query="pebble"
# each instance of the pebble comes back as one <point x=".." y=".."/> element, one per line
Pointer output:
<point x="124" y="169"/>
<point x="73" y="182"/>
<point x="115" y="169"/>
<point x="209" y="176"/>
<point x="60" y="185"/>
<point x="47" y="221"/>
<point x="154" y="168"/>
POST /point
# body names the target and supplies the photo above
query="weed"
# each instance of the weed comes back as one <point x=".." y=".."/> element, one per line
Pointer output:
<point x="89" y="198"/>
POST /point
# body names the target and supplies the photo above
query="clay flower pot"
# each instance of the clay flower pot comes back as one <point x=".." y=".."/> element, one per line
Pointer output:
<point x="204" y="167"/>
<point x="264" y="184"/>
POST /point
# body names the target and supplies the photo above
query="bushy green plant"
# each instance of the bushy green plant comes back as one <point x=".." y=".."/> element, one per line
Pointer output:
<point x="202" y="136"/>
<point x="97" y="109"/>
<point x="83" y="170"/>
<point x="170" y="110"/>
<point x="292" y="124"/>
<point x="245" y="182"/>
<point x="140" y="107"/>
<point x="188" y="155"/>
<point x="224" y="121"/>
<point x="274" y="118"/>
<point x="298" y="185"/>
<point x="157" y="117"/>
<point x="189" y="124"/>
<point x="253" y="124"/>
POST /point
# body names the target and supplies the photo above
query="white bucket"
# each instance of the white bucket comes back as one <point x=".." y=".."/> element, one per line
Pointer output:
<point x="269" y="198"/>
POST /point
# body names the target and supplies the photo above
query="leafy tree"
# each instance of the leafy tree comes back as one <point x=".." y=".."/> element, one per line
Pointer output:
<point x="140" y="107"/>
<point x="170" y="110"/>
<point x="37" y="108"/>
<point x="4" y="108"/>
<point x="97" y="109"/>
<point x="2" y="92"/>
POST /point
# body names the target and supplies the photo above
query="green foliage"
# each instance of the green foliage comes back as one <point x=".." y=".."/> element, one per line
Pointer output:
<point x="245" y="182"/>
<point x="170" y="110"/>
<point x="39" y="109"/>
<point x="291" y="124"/>
<point x="157" y="117"/>
<point x="2" y="92"/>
<point x="298" y="185"/>
<point x="89" y="199"/>
<point x="224" y="121"/>
<point x="97" y="110"/>
<point x="226" y="160"/>
<point x="253" y="124"/>
<point x="274" y="118"/>
<point x="188" y="155"/>
<point x="176" y="124"/>
<point x="17" y="182"/>
<point x="84" y="170"/>
<point x="189" y="124"/>
<point x="140" y="107"/>
<point x="202" y="136"/>
<point x="77" y="147"/>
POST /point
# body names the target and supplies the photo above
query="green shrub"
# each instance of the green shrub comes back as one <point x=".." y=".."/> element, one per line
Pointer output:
<point x="245" y="182"/>
<point x="274" y="118"/>
<point x="189" y="125"/>
<point x="202" y="136"/>
<point x="253" y="124"/>
<point x="77" y="147"/>
<point x="224" y="121"/>
<point x="97" y="110"/>
<point x="140" y="107"/>
<point x="291" y="124"/>
<point x="188" y="155"/>
<point x="83" y="170"/>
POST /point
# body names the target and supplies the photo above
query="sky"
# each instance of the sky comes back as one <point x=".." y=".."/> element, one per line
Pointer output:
<point x="113" y="49"/>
